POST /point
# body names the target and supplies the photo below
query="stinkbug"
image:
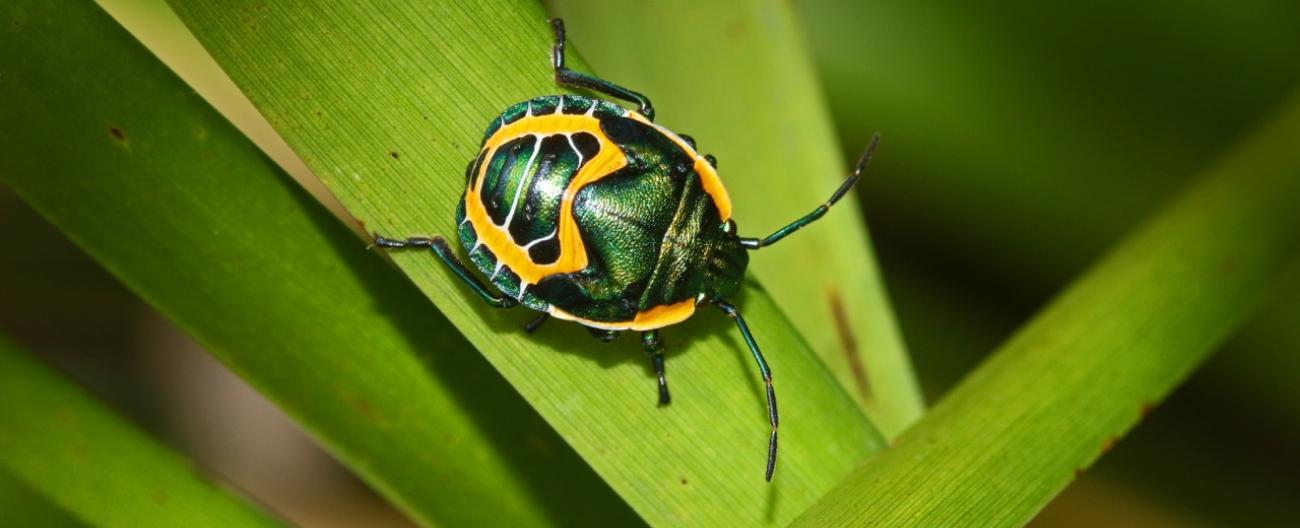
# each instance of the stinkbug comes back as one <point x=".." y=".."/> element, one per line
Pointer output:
<point x="593" y="213"/>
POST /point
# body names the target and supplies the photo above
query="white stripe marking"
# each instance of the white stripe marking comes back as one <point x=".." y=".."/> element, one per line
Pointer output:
<point x="574" y="146"/>
<point x="530" y="245"/>
<point x="523" y="182"/>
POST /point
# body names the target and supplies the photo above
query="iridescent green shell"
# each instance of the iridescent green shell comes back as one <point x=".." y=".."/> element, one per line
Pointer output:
<point x="647" y="215"/>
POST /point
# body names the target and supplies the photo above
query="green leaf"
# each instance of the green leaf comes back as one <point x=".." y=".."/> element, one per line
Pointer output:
<point x="736" y="76"/>
<point x="24" y="506"/>
<point x="976" y="107"/>
<point x="386" y="103"/>
<point x="1083" y="372"/>
<point x="76" y="453"/>
<point x="124" y="158"/>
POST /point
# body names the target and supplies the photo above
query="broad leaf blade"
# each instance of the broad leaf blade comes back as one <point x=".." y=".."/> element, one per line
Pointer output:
<point x="1083" y="372"/>
<point x="125" y="159"/>
<point x="77" y="454"/>
<point x="736" y="76"/>
<point x="387" y="102"/>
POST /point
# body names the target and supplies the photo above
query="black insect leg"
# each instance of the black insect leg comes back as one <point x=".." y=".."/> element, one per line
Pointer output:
<point x="440" y="248"/>
<point x="655" y="349"/>
<point x="767" y="379"/>
<point x="567" y="77"/>
<point x="532" y="326"/>
<point x="755" y="243"/>
<point x="604" y="336"/>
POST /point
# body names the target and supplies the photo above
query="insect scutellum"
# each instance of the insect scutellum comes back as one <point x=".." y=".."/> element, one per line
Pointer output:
<point x="590" y="212"/>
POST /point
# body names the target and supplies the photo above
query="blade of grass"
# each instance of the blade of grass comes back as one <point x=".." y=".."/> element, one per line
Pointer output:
<point x="120" y="155"/>
<point x="156" y="26"/>
<point x="79" y="455"/>
<point x="387" y="102"/>
<point x="977" y="103"/>
<point x="1083" y="372"/>
<point x="762" y="114"/>
<point x="1018" y="113"/>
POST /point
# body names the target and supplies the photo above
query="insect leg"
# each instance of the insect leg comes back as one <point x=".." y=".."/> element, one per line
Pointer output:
<point x="655" y="348"/>
<point x="567" y="77"/>
<point x="533" y="325"/>
<point x="604" y="336"/>
<point x="755" y="243"/>
<point x="767" y="379"/>
<point x="440" y="248"/>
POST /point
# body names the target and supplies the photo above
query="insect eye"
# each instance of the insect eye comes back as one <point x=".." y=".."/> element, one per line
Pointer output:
<point x="729" y="227"/>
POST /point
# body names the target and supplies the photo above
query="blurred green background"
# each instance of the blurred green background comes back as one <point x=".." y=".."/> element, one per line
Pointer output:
<point x="1021" y="139"/>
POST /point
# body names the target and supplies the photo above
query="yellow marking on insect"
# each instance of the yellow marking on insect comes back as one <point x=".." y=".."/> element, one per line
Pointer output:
<point x="655" y="317"/>
<point x="708" y="175"/>
<point x="573" y="253"/>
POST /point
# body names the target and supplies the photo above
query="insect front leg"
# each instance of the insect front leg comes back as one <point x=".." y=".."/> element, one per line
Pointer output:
<point x="755" y="243"/>
<point x="567" y="77"/>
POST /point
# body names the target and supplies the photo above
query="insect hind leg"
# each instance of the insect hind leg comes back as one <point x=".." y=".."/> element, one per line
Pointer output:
<point x="763" y="370"/>
<point x="444" y="253"/>
<point x="604" y="336"/>
<point x="532" y="326"/>
<point x="655" y="349"/>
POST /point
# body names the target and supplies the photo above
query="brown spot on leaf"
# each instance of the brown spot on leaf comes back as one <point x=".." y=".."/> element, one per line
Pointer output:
<point x="735" y="29"/>
<point x="849" y="344"/>
<point x="393" y="154"/>
<point x="367" y="410"/>
<point x="1146" y="408"/>
<point x="117" y="133"/>
<point x="685" y="482"/>
<point x="1110" y="444"/>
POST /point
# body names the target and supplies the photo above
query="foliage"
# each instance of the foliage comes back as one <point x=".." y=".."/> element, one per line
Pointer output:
<point x="385" y="102"/>
<point x="70" y="450"/>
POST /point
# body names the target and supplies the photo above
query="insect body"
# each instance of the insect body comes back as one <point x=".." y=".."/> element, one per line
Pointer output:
<point x="589" y="212"/>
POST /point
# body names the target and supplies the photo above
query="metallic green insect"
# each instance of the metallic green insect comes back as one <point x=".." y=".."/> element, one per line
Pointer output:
<point x="593" y="213"/>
